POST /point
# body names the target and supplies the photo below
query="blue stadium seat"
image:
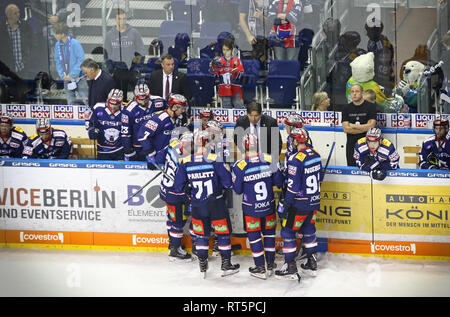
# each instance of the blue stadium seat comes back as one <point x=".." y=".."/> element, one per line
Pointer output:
<point x="250" y="79"/>
<point x="209" y="32"/>
<point x="282" y="82"/>
<point x="169" y="30"/>
<point x="201" y="81"/>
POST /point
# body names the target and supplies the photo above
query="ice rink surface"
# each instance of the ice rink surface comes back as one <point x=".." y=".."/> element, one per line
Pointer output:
<point x="74" y="273"/>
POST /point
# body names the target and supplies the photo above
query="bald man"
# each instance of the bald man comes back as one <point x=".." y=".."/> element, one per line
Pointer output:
<point x="16" y="40"/>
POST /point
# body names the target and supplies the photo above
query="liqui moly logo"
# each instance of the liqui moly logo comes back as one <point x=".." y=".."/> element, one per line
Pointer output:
<point x="43" y="238"/>
<point x="237" y="113"/>
<point x="82" y="110"/>
<point x="401" y="120"/>
<point x="220" y="115"/>
<point x="63" y="112"/>
<point x="40" y="111"/>
<point x="17" y="111"/>
<point x="311" y="117"/>
<point x="332" y="118"/>
<point x="281" y="115"/>
<point x="423" y="120"/>
<point x="381" y="120"/>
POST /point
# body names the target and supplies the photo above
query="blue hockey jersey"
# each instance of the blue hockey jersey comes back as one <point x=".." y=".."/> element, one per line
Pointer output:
<point x="58" y="146"/>
<point x="206" y="176"/>
<point x="133" y="116"/>
<point x="107" y="126"/>
<point x="221" y="147"/>
<point x="255" y="177"/>
<point x="155" y="134"/>
<point x="14" y="145"/>
<point x="386" y="157"/>
<point x="304" y="172"/>
<point x="171" y="154"/>
<point x="437" y="150"/>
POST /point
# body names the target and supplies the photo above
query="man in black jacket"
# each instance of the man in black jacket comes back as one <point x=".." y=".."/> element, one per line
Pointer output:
<point x="100" y="83"/>
<point x="264" y="126"/>
<point x="17" y="42"/>
<point x="167" y="80"/>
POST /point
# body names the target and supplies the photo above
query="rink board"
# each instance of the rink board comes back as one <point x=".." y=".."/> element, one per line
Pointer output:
<point x="80" y="204"/>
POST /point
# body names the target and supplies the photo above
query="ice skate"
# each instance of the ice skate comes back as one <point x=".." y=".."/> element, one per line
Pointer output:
<point x="288" y="272"/>
<point x="179" y="255"/>
<point x="258" y="271"/>
<point x="310" y="266"/>
<point x="228" y="268"/>
<point x="203" y="264"/>
<point x="215" y="246"/>
<point x="271" y="269"/>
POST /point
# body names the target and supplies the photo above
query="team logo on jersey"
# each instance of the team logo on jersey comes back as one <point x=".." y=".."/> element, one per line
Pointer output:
<point x="298" y="221"/>
<point x="271" y="221"/>
<point x="171" y="212"/>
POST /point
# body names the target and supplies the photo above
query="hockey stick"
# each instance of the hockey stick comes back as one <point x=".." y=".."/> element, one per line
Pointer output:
<point x="328" y="159"/>
<point x="162" y="171"/>
<point x="142" y="187"/>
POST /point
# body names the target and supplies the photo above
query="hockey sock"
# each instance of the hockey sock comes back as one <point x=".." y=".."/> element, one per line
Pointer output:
<point x="175" y="236"/>
<point x="256" y="245"/>
<point x="269" y="247"/>
<point x="224" y="244"/>
<point x="289" y="244"/>
<point x="202" y="246"/>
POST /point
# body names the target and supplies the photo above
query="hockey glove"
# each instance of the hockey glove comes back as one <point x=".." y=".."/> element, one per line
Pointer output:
<point x="93" y="134"/>
<point x="129" y="156"/>
<point x="433" y="160"/>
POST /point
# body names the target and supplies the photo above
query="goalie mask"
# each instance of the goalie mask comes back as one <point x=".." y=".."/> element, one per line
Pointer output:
<point x="298" y="134"/>
<point x="115" y="98"/>
<point x="43" y="125"/>
<point x="142" y="94"/>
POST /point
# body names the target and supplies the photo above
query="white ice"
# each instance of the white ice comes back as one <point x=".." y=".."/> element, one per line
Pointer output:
<point x="73" y="273"/>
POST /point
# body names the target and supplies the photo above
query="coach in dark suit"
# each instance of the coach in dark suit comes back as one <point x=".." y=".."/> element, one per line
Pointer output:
<point x="264" y="126"/>
<point x="100" y="83"/>
<point x="167" y="80"/>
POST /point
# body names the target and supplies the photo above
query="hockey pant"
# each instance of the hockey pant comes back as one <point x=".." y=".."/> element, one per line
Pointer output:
<point x="299" y="221"/>
<point x="176" y="220"/>
<point x="258" y="228"/>
<point x="214" y="215"/>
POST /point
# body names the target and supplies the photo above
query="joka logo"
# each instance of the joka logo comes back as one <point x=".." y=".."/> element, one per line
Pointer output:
<point x="33" y="237"/>
<point x="388" y="248"/>
<point x="151" y="196"/>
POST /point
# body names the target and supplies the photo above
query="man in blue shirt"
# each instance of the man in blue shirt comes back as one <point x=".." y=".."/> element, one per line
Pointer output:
<point x="68" y="56"/>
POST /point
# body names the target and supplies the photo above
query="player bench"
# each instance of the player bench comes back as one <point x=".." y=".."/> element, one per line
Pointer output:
<point x="411" y="150"/>
<point x="83" y="148"/>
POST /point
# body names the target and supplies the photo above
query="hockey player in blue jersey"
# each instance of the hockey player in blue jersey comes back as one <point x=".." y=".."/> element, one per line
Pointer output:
<point x="12" y="139"/>
<point x="376" y="155"/>
<point x="48" y="142"/>
<point x="104" y="123"/>
<point x="138" y="111"/>
<point x="155" y="134"/>
<point x="218" y="142"/>
<point x="177" y="202"/>
<point x="435" y="151"/>
<point x="300" y="205"/>
<point x="207" y="177"/>
<point x="254" y="177"/>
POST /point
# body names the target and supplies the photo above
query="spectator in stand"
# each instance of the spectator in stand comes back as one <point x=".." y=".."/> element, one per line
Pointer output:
<point x="285" y="15"/>
<point x="12" y="139"/>
<point x="68" y="56"/>
<point x="100" y="83"/>
<point x="122" y="44"/>
<point x="17" y="42"/>
<point x="230" y="70"/>
<point x="383" y="50"/>
<point x="48" y="142"/>
<point x="253" y="22"/>
<point x="371" y="96"/>
<point x="357" y="118"/>
<point x="320" y="101"/>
